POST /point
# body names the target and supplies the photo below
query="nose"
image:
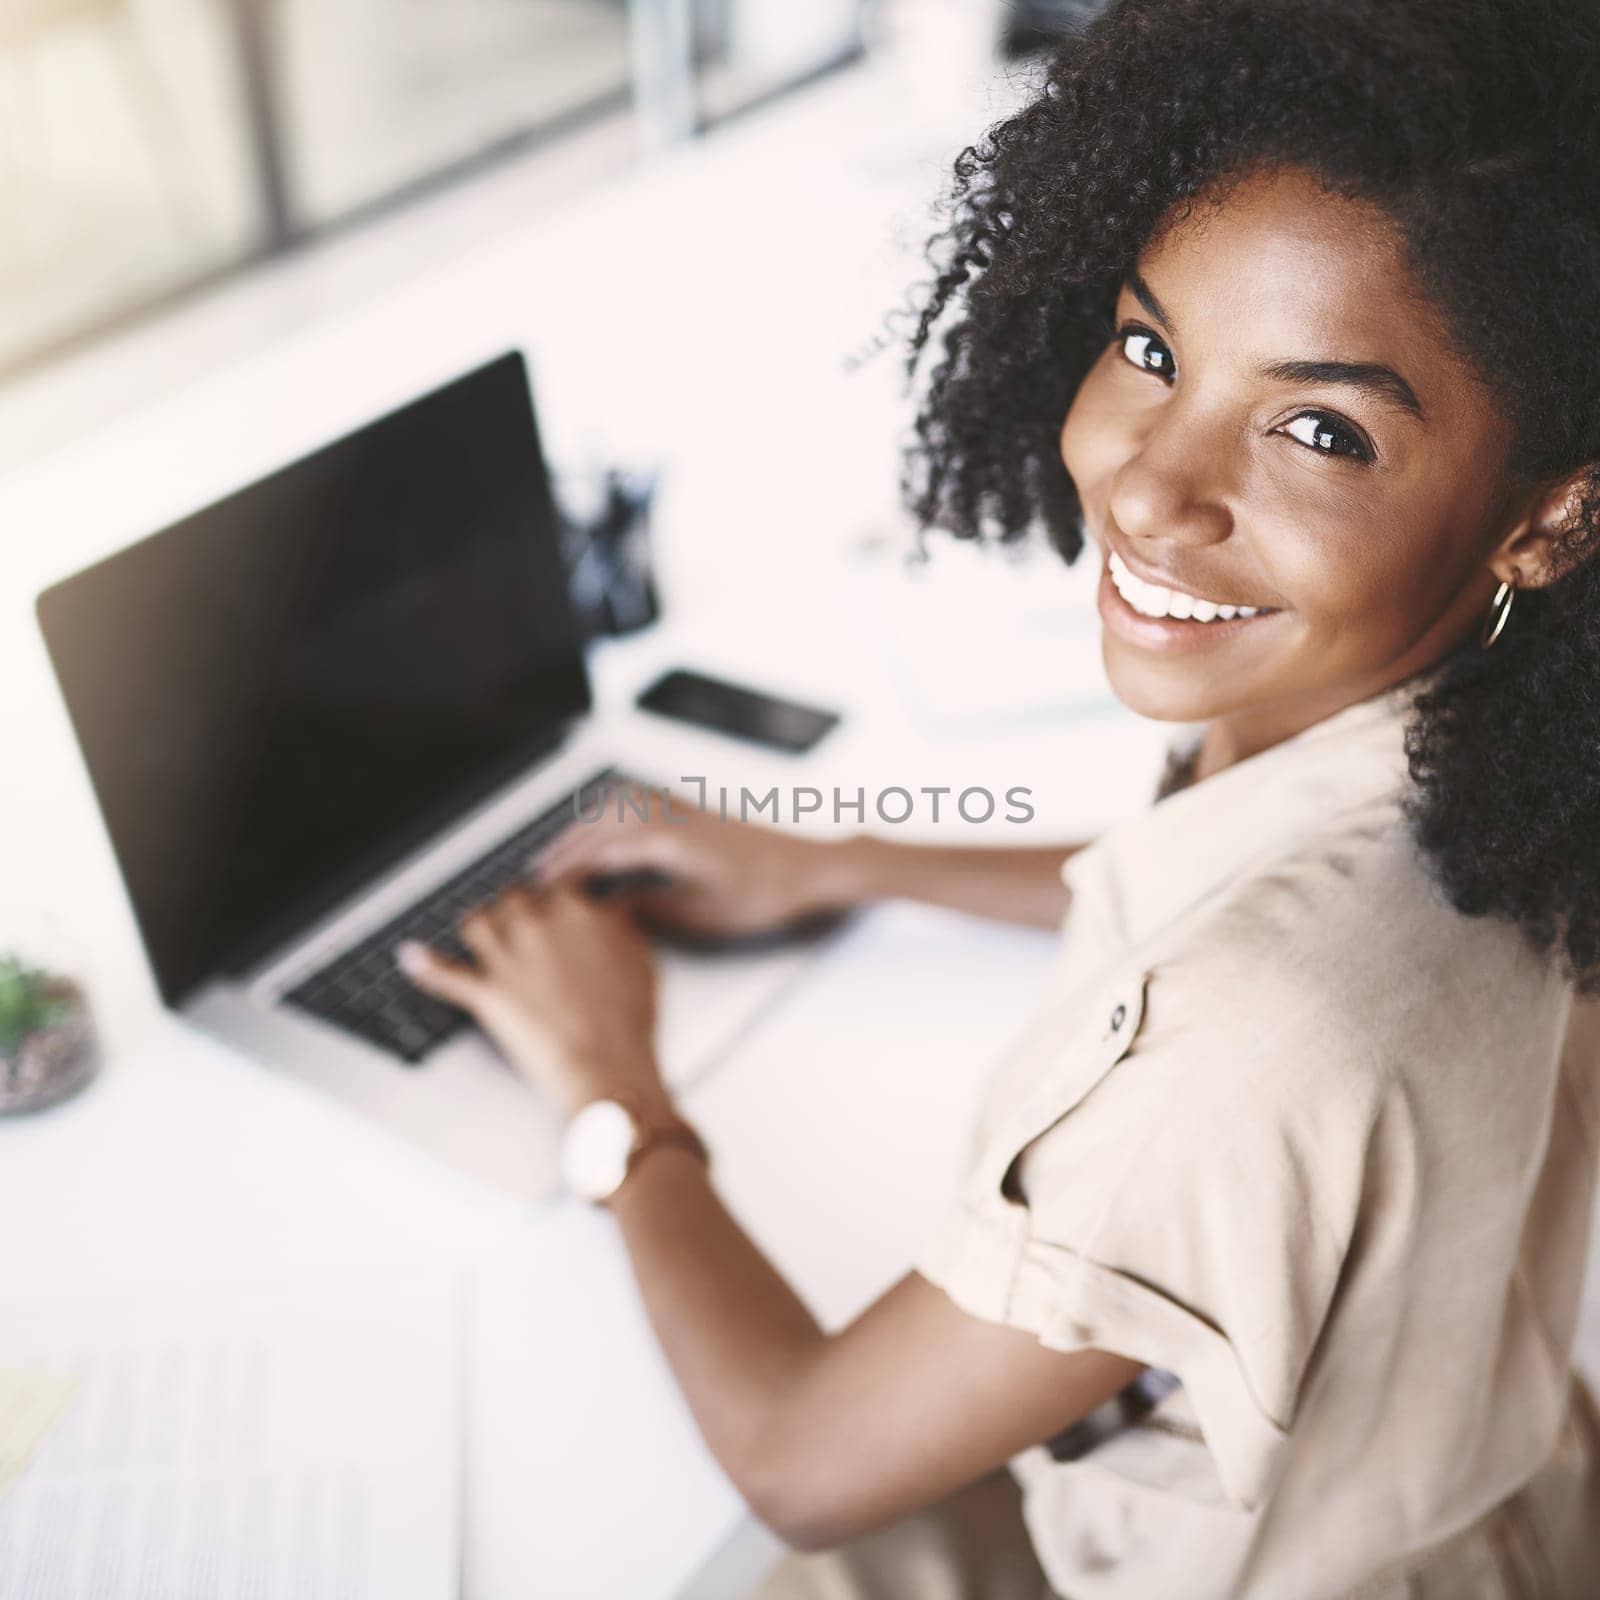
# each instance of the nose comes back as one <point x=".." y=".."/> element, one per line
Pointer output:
<point x="1168" y="488"/>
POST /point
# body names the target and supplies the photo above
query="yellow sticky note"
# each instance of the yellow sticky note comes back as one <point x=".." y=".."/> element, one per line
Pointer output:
<point x="31" y="1404"/>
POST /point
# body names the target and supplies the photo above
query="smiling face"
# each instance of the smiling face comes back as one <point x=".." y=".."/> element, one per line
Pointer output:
<point x="1278" y="422"/>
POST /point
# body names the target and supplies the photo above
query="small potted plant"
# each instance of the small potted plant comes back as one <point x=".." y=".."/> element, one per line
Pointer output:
<point x="46" y="1044"/>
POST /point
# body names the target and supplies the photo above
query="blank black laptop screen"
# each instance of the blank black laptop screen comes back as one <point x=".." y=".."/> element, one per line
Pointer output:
<point x="285" y="692"/>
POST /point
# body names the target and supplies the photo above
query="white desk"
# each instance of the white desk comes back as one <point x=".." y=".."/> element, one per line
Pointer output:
<point x="697" y="316"/>
<point x="187" y="1161"/>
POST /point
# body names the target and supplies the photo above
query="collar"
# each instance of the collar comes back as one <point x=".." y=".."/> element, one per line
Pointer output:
<point x="1148" y="868"/>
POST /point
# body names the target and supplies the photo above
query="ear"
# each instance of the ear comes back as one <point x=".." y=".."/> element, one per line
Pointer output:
<point x="1528" y="555"/>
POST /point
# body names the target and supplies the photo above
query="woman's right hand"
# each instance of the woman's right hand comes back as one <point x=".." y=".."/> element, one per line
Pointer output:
<point x="720" y="879"/>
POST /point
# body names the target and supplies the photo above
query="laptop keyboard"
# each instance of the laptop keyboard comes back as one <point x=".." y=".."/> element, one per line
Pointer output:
<point x="365" y="993"/>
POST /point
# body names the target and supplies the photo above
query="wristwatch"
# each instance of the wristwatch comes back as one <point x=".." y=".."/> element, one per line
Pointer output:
<point x="607" y="1139"/>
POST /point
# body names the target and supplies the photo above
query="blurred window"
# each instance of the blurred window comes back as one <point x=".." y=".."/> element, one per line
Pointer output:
<point x="125" y="160"/>
<point x="148" y="145"/>
<point x="376" y="95"/>
<point x="748" y="50"/>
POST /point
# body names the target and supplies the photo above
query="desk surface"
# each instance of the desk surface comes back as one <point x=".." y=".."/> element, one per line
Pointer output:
<point x="711" y="337"/>
<point x="187" y="1161"/>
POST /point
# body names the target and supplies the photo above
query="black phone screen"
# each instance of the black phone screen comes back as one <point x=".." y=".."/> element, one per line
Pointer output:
<point x="736" y="711"/>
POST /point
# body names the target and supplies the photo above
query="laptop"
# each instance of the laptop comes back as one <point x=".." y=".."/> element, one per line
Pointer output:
<point x="339" y="709"/>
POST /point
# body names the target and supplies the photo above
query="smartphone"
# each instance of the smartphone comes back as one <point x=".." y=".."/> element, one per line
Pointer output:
<point x="736" y="711"/>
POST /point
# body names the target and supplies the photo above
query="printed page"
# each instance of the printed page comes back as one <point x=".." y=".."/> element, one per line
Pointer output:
<point x="300" y="1440"/>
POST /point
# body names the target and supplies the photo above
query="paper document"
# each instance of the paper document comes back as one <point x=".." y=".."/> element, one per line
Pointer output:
<point x="31" y="1403"/>
<point x="300" y="1441"/>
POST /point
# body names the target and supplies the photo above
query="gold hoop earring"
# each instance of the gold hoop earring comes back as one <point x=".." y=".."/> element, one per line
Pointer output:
<point x="1498" y="612"/>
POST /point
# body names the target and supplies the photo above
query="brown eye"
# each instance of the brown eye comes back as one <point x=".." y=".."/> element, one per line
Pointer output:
<point x="1328" y="435"/>
<point x="1142" y="349"/>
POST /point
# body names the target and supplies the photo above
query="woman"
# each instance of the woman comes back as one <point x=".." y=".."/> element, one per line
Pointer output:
<point x="1265" y="1277"/>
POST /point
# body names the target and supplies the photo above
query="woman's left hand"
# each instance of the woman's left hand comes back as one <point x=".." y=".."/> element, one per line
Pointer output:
<point x="564" y="986"/>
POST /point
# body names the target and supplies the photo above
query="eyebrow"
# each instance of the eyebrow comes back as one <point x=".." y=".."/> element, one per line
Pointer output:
<point x="1368" y="377"/>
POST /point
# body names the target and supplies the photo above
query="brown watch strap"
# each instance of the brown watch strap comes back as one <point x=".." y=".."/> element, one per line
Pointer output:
<point x="659" y="1133"/>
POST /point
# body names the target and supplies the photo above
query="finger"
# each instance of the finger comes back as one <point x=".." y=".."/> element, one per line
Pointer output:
<point x="478" y="931"/>
<point x="568" y="899"/>
<point x="617" y="852"/>
<point x="591" y="845"/>
<point x="515" y="907"/>
<point x="576" y="908"/>
<point x="436" y="974"/>
<point x="569" y="905"/>
<point x="626" y="816"/>
<point x="494" y="930"/>
<point x="522" y="902"/>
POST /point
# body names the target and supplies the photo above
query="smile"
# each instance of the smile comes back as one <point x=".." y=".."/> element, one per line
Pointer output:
<point x="1150" y="600"/>
<point x="1152" y="618"/>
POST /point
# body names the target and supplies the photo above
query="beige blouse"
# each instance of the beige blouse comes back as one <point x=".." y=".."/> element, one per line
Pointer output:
<point x="1293" y="1130"/>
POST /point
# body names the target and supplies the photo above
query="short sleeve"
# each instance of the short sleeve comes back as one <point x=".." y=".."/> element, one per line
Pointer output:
<point x="1191" y="1209"/>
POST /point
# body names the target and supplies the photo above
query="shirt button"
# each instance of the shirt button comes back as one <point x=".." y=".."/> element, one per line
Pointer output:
<point x="1118" y="1017"/>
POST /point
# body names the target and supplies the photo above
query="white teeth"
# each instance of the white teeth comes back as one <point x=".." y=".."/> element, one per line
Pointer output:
<point x="1151" y="600"/>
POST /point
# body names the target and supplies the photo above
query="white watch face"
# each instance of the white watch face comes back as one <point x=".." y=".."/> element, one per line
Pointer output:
<point x="595" y="1149"/>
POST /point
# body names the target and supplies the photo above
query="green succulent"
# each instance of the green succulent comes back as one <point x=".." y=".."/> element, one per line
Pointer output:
<point x="28" y="1001"/>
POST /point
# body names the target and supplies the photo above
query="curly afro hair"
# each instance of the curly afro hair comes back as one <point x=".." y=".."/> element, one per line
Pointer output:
<point x="1475" y="124"/>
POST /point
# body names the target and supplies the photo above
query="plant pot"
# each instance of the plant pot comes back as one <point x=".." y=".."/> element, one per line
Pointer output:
<point x="52" y="1062"/>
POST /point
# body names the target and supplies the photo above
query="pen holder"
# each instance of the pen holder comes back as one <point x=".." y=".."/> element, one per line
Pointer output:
<point x="46" y="1038"/>
<point x="605" y="539"/>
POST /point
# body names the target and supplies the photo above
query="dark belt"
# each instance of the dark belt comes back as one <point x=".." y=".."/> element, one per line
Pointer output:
<point x="1129" y="1406"/>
